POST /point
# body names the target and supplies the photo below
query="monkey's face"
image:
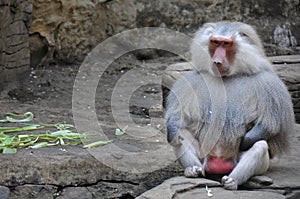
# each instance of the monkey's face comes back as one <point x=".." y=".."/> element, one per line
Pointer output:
<point x="228" y="48"/>
<point x="222" y="51"/>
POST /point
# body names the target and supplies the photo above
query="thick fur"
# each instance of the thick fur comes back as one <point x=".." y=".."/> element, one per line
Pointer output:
<point x="218" y="110"/>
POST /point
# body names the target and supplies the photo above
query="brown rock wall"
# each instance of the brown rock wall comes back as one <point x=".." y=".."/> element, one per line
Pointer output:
<point x="72" y="28"/>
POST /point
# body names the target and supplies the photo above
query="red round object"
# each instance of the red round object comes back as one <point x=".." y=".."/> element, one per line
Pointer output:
<point x="217" y="165"/>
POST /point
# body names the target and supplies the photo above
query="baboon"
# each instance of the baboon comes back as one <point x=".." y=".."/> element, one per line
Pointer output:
<point x="232" y="113"/>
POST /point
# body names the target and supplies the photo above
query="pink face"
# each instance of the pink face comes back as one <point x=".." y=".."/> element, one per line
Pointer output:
<point x="222" y="52"/>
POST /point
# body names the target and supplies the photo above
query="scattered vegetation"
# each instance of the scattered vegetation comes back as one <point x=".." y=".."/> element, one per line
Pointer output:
<point x="13" y="137"/>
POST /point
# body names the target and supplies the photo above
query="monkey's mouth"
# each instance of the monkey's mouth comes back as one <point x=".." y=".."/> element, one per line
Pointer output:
<point x="221" y="70"/>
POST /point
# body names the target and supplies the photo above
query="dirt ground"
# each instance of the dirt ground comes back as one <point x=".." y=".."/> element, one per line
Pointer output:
<point x="47" y="92"/>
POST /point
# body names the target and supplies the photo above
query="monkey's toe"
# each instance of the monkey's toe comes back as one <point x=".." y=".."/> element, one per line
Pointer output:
<point x="229" y="183"/>
<point x="193" y="172"/>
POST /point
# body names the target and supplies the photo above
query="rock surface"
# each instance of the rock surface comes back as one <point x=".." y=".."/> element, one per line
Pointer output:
<point x="173" y="186"/>
<point x="15" y="18"/>
<point x="4" y="192"/>
<point x="67" y="30"/>
<point x="288" y="69"/>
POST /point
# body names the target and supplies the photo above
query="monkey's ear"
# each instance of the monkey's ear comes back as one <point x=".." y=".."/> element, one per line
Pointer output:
<point x="207" y="25"/>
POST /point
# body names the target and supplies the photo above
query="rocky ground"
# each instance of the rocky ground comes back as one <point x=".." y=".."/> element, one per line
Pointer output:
<point x="73" y="172"/>
<point x="135" y="162"/>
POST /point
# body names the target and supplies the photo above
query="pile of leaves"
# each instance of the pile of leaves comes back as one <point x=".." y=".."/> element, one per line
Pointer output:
<point x="13" y="137"/>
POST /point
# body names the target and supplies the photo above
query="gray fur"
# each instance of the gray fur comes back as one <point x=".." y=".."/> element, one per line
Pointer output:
<point x="217" y="110"/>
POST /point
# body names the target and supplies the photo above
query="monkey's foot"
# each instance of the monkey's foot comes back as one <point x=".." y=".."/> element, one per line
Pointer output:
<point x="193" y="172"/>
<point x="229" y="183"/>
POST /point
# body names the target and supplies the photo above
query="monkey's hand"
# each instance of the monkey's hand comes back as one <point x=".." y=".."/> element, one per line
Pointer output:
<point x="255" y="134"/>
<point x="194" y="172"/>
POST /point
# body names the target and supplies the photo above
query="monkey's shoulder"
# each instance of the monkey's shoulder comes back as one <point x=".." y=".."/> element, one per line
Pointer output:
<point x="195" y="81"/>
<point x="191" y="84"/>
<point x="198" y="88"/>
<point x="264" y="82"/>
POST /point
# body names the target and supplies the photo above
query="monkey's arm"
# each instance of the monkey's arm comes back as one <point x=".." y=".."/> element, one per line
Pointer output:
<point x="173" y="126"/>
<point x="186" y="148"/>
<point x="257" y="133"/>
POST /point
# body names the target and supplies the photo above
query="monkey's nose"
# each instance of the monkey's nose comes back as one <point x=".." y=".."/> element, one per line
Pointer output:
<point x="218" y="65"/>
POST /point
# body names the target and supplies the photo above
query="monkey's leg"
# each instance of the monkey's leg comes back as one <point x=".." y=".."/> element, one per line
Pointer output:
<point x="187" y="151"/>
<point x="257" y="133"/>
<point x="253" y="162"/>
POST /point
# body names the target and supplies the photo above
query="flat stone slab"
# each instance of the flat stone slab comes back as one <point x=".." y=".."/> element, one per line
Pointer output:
<point x="189" y="188"/>
<point x="200" y="193"/>
<point x="173" y="186"/>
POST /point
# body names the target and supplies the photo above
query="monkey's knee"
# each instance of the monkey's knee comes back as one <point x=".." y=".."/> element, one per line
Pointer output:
<point x="261" y="149"/>
<point x="262" y="144"/>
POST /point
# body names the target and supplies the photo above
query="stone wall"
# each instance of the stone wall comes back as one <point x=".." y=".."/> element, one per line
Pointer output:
<point x="15" y="18"/>
<point x="67" y="30"/>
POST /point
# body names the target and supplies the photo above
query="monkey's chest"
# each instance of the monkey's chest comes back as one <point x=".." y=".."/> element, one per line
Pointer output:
<point x="223" y="116"/>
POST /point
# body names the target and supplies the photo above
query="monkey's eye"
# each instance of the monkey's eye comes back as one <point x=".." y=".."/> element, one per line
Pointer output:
<point x="227" y="43"/>
<point x="215" y="42"/>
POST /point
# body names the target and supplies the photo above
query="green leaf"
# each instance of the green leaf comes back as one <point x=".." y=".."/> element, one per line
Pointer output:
<point x="119" y="131"/>
<point x="19" y="129"/>
<point x="8" y="140"/>
<point x="28" y="117"/>
<point x="63" y="126"/>
<point x="39" y="145"/>
<point x="99" y="143"/>
<point x="23" y="137"/>
<point x="63" y="134"/>
<point x="4" y="129"/>
<point x="9" y="150"/>
<point x="61" y="141"/>
<point x="67" y="133"/>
